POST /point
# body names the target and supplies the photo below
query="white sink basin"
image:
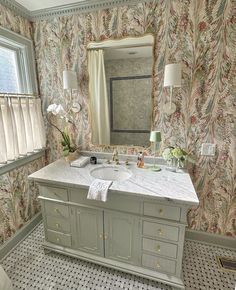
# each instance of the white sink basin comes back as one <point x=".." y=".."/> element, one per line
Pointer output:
<point x="113" y="173"/>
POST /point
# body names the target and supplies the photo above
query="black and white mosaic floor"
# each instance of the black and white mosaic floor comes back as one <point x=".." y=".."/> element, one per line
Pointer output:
<point x="30" y="268"/>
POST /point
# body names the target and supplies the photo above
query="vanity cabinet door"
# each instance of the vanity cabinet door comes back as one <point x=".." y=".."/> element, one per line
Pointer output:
<point x="122" y="237"/>
<point x="88" y="232"/>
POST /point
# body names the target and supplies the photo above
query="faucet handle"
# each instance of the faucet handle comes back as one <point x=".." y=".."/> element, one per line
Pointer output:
<point x="117" y="161"/>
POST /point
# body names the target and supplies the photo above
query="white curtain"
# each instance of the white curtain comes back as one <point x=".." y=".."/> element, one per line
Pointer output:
<point x="99" y="106"/>
<point x="21" y="127"/>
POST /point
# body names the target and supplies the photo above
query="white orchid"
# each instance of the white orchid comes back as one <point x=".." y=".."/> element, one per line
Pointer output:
<point x="56" y="109"/>
<point x="52" y="109"/>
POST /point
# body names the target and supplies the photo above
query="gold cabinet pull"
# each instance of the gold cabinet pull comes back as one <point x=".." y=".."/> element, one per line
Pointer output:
<point x="101" y="236"/>
<point x="105" y="237"/>
<point x="158" y="248"/>
<point x="56" y="210"/>
<point x="57" y="225"/>
<point x="58" y="239"/>
<point x="160" y="232"/>
<point x="158" y="266"/>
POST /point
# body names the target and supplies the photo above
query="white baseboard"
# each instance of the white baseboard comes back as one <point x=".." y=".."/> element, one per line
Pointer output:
<point x="19" y="236"/>
<point x="212" y="239"/>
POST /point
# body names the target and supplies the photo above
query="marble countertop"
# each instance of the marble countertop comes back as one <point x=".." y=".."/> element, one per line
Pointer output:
<point x="171" y="186"/>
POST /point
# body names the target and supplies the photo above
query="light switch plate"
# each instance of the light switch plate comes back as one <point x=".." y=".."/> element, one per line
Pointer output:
<point x="208" y="149"/>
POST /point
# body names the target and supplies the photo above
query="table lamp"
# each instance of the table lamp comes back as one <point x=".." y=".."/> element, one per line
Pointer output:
<point x="155" y="138"/>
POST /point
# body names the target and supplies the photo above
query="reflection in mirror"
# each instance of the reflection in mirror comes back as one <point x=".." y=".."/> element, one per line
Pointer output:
<point x="120" y="87"/>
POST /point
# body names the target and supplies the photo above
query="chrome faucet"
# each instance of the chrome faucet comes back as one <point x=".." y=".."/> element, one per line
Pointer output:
<point x="115" y="157"/>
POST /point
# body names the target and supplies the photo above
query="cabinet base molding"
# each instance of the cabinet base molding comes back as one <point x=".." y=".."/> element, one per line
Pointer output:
<point x="139" y="271"/>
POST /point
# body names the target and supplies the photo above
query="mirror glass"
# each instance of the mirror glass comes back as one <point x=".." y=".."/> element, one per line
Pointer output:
<point x="121" y="91"/>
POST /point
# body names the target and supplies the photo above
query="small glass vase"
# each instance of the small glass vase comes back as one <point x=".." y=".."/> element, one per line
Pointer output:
<point x="172" y="165"/>
<point x="175" y="165"/>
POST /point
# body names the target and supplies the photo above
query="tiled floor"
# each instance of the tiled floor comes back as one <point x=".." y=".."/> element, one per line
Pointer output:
<point x="29" y="268"/>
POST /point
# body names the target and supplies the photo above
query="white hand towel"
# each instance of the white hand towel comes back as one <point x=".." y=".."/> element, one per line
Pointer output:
<point x="80" y="162"/>
<point x="98" y="190"/>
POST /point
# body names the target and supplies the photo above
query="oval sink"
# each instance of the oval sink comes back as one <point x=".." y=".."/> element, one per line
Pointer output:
<point x="113" y="173"/>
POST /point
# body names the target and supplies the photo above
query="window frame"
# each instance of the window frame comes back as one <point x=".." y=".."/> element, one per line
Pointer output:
<point x="24" y="50"/>
<point x="25" y="60"/>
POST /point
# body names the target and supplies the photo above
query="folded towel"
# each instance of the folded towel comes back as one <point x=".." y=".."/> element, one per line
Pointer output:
<point x="98" y="189"/>
<point x="80" y="162"/>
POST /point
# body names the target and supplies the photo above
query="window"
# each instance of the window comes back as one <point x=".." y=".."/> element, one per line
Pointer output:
<point x="17" y="66"/>
<point x="9" y="75"/>
<point x="21" y="122"/>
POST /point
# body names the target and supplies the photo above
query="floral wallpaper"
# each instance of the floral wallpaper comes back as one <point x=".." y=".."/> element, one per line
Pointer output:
<point x="18" y="197"/>
<point x="201" y="36"/>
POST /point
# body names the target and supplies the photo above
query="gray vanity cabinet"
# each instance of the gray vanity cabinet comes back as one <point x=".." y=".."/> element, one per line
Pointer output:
<point x="139" y="235"/>
<point x="88" y="230"/>
<point x="122" y="237"/>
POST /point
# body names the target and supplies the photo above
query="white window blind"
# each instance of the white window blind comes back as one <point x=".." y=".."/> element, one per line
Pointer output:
<point x="21" y="127"/>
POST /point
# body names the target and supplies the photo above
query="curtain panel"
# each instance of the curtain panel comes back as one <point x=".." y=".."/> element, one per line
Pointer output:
<point x="99" y="106"/>
<point x="21" y="127"/>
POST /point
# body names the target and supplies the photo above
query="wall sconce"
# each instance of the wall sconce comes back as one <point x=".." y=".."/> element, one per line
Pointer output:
<point x="70" y="83"/>
<point x="172" y="78"/>
<point x="155" y="137"/>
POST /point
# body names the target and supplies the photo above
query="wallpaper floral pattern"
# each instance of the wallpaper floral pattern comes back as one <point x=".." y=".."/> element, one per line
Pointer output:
<point x="199" y="34"/>
<point x="18" y="197"/>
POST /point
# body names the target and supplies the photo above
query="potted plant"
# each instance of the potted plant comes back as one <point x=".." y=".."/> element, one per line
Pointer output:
<point x="176" y="157"/>
<point x="69" y="148"/>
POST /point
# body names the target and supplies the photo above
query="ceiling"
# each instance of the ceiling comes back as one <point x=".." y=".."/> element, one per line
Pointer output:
<point x="33" y="5"/>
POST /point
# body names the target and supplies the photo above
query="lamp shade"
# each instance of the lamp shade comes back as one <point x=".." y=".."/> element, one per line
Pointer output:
<point x="172" y="76"/>
<point x="69" y="80"/>
<point x="155" y="136"/>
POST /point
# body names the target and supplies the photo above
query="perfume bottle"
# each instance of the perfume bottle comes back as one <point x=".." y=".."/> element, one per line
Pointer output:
<point x="140" y="161"/>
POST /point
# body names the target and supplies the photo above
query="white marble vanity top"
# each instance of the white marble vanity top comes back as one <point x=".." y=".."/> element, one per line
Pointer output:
<point x="171" y="186"/>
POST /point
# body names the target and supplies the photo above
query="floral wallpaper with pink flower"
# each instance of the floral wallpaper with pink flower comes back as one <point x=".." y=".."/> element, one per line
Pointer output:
<point x="198" y="34"/>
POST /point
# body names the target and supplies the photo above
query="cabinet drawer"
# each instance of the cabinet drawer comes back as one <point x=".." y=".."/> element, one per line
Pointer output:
<point x="161" y="211"/>
<point x="159" y="264"/>
<point x="56" y="210"/>
<point x="54" y="192"/>
<point x="158" y="230"/>
<point x="58" y="224"/>
<point x="114" y="201"/>
<point x="160" y="248"/>
<point x="59" y="238"/>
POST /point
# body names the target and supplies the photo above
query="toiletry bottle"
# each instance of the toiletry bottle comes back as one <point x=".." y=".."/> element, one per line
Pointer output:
<point x="140" y="161"/>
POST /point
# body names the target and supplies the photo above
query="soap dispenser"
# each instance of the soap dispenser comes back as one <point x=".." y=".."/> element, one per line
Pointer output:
<point x="140" y="161"/>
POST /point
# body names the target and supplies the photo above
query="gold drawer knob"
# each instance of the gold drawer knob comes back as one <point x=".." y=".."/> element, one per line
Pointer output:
<point x="58" y="226"/>
<point x="160" y="232"/>
<point x="105" y="237"/>
<point x="158" y="266"/>
<point x="161" y="211"/>
<point x="56" y="210"/>
<point x="58" y="239"/>
<point x="101" y="236"/>
<point x="158" y="248"/>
